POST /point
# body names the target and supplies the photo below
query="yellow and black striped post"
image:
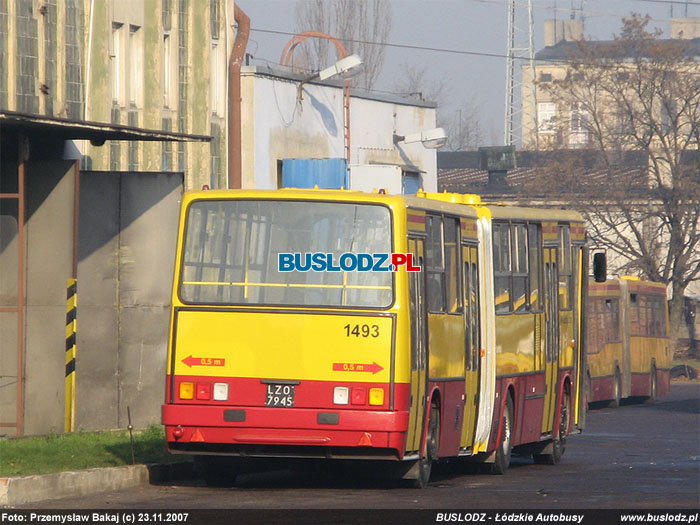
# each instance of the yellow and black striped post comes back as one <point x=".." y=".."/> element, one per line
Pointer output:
<point x="71" y="329"/>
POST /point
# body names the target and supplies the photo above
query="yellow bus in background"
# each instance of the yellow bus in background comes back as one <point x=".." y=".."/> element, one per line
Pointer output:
<point x="476" y="355"/>
<point x="628" y="344"/>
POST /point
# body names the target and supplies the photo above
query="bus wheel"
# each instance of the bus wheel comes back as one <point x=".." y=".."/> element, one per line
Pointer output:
<point x="617" y="390"/>
<point x="215" y="471"/>
<point x="589" y="390"/>
<point x="558" y="444"/>
<point x="502" y="461"/>
<point x="652" y="386"/>
<point x="432" y="444"/>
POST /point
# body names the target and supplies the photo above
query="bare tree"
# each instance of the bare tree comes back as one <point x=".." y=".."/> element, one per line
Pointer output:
<point x="356" y="24"/>
<point x="463" y="125"/>
<point x="639" y="94"/>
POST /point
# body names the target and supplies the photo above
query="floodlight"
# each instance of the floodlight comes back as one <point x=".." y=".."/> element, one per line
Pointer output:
<point x="431" y="139"/>
<point x="346" y="68"/>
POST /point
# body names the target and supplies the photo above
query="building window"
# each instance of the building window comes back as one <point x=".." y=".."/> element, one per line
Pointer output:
<point x="214" y="13"/>
<point x="50" y="51"/>
<point x="135" y="65"/>
<point x="133" y="118"/>
<point x="217" y="81"/>
<point x="116" y="59"/>
<point x="183" y="24"/>
<point x="74" y="70"/>
<point x="167" y="68"/>
<point x="578" y="130"/>
<point x="215" y="155"/>
<point x="545" y="77"/>
<point x="4" y="24"/>
<point x="115" y="145"/>
<point x="167" y="158"/>
<point x="28" y="59"/>
<point x="546" y="117"/>
<point x="167" y="15"/>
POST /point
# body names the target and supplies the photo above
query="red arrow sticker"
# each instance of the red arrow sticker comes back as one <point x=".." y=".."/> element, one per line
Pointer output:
<point x="357" y="367"/>
<point x="203" y="361"/>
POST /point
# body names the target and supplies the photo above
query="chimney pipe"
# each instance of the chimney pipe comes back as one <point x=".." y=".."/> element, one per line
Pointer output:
<point x="234" y="98"/>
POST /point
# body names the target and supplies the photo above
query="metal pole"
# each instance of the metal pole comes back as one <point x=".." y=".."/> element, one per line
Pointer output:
<point x="23" y="154"/>
<point x="71" y="332"/>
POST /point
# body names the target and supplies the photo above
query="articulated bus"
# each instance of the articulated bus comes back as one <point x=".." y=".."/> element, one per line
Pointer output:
<point x="629" y="353"/>
<point x="477" y="354"/>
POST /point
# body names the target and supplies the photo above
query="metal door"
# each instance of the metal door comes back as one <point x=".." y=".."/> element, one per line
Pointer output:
<point x="551" y="306"/>
<point x="419" y="345"/>
<point x="472" y="342"/>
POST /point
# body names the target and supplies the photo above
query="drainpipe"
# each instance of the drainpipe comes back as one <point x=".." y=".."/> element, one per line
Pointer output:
<point x="234" y="98"/>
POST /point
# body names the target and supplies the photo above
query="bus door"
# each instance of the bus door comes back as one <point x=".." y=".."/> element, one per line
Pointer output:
<point x="472" y="342"/>
<point x="419" y="345"/>
<point x="551" y="306"/>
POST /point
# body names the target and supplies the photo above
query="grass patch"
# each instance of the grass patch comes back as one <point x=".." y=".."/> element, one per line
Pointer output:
<point x="694" y="363"/>
<point x="81" y="450"/>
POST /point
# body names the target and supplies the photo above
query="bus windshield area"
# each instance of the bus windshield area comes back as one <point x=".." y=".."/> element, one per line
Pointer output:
<point x="231" y="247"/>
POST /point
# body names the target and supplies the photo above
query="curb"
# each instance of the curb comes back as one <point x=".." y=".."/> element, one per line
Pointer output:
<point x="29" y="489"/>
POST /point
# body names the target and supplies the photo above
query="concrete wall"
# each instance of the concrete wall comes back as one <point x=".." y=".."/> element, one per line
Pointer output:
<point x="277" y="126"/>
<point x="8" y="294"/>
<point x="126" y="258"/>
<point x="49" y="263"/>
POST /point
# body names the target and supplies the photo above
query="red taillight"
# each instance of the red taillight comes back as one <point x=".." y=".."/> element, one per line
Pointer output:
<point x="178" y="432"/>
<point x="359" y="396"/>
<point x="204" y="391"/>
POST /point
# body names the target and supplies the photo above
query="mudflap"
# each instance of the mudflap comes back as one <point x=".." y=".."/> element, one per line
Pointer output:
<point x="545" y="447"/>
<point x="409" y="470"/>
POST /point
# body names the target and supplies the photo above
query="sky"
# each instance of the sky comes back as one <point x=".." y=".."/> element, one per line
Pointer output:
<point x="467" y="27"/>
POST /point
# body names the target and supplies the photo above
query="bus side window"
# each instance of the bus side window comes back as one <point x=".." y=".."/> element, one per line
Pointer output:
<point x="521" y="300"/>
<point x="535" y="260"/>
<point x="435" y="264"/>
<point x="565" y="267"/>
<point x="502" y="267"/>
<point x="475" y="316"/>
<point x="451" y="241"/>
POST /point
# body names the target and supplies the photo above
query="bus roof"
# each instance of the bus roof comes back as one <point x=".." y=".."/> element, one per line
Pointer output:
<point x="446" y="203"/>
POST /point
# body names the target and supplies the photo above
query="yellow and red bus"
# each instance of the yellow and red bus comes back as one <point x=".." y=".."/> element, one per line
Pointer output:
<point x="476" y="355"/>
<point x="629" y="353"/>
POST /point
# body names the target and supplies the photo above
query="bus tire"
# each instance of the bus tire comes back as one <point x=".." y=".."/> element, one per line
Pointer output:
<point x="653" y="386"/>
<point x="432" y="444"/>
<point x="617" y="390"/>
<point x="589" y="390"/>
<point x="505" y="445"/>
<point x="215" y="471"/>
<point x="557" y="446"/>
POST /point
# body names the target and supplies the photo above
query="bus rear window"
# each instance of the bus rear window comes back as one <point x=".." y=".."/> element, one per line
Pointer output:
<point x="231" y="249"/>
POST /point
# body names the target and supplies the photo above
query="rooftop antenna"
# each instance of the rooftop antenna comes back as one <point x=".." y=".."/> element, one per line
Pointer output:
<point x="520" y="46"/>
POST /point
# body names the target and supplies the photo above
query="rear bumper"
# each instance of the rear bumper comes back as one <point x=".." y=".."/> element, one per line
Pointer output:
<point x="285" y="432"/>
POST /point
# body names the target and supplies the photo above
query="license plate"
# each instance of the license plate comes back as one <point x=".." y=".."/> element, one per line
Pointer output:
<point x="279" y="395"/>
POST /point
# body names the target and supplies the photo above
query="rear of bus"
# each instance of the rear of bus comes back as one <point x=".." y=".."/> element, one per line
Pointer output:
<point x="269" y="363"/>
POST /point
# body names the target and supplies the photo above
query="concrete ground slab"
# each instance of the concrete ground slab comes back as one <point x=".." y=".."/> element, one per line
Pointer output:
<point x="29" y="489"/>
